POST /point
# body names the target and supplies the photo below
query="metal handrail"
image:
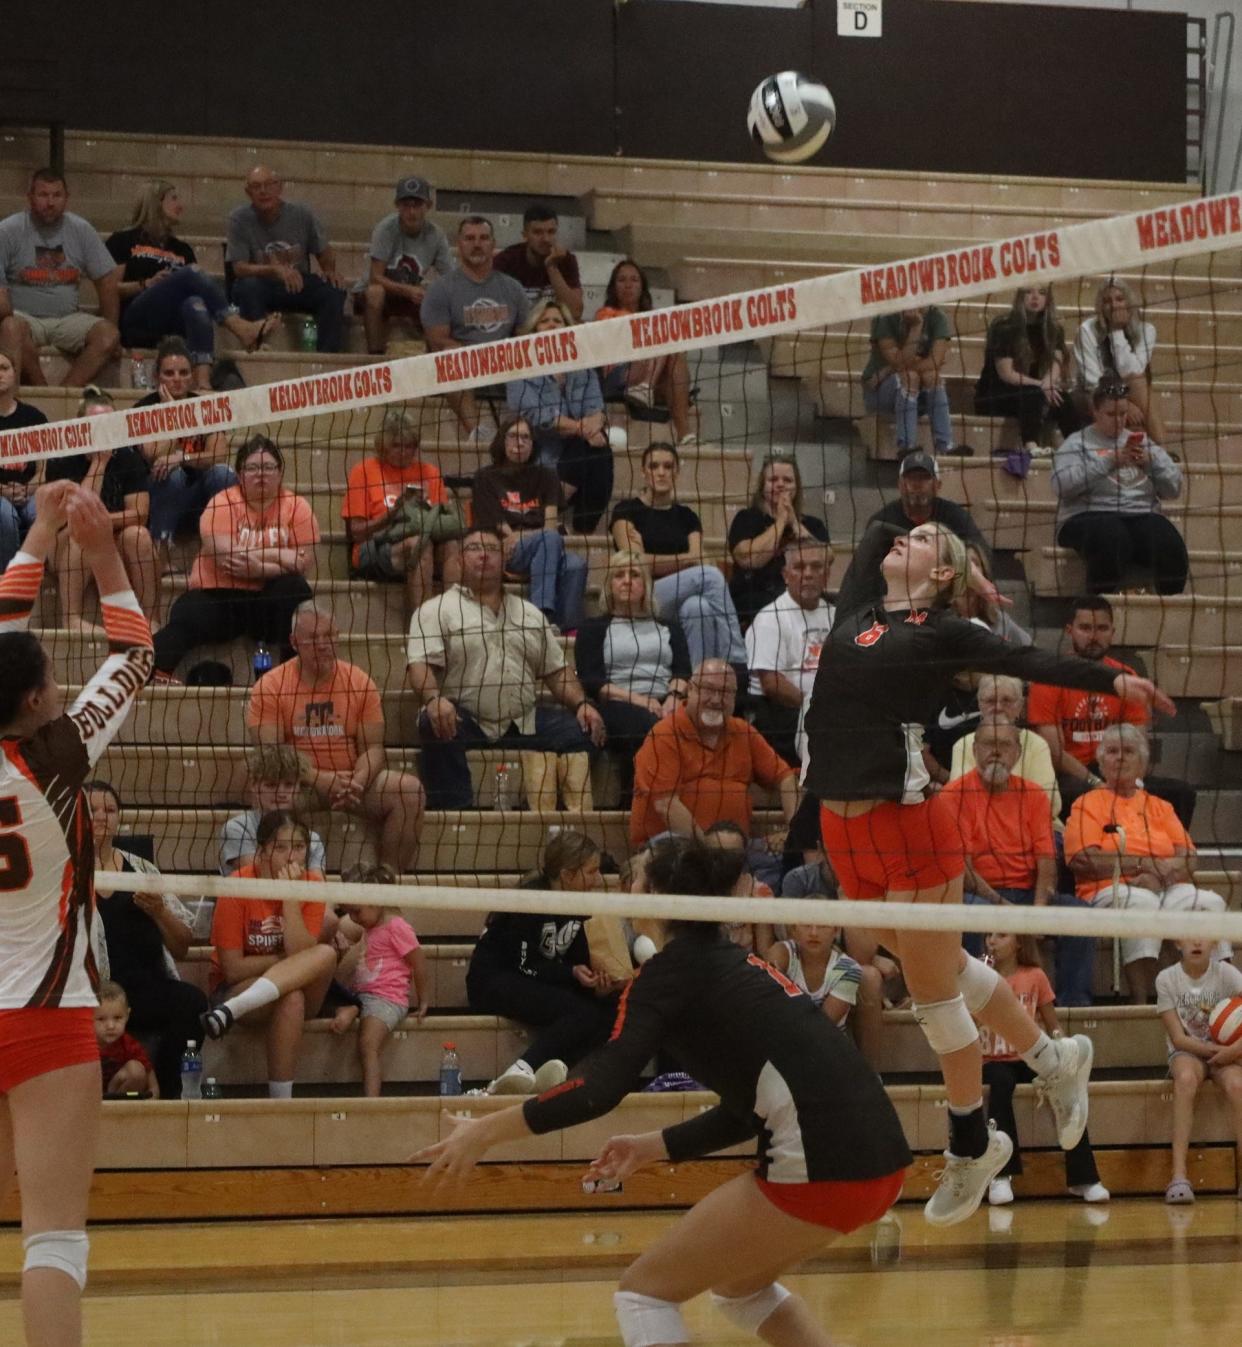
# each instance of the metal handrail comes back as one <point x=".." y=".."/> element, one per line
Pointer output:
<point x="1224" y="20"/>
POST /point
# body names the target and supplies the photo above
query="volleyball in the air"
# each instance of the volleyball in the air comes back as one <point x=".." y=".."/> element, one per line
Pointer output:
<point x="1225" y="1021"/>
<point x="791" y="116"/>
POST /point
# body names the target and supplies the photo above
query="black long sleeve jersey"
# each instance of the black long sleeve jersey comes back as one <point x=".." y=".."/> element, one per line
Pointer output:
<point x="782" y="1071"/>
<point x="535" y="944"/>
<point x="884" y="675"/>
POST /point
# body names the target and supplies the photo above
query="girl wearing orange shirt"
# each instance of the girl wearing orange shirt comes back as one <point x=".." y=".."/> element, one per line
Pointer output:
<point x="268" y="952"/>
<point x="639" y="381"/>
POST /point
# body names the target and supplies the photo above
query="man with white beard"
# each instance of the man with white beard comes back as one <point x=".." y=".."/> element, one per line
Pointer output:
<point x="1006" y="827"/>
<point x="696" y="766"/>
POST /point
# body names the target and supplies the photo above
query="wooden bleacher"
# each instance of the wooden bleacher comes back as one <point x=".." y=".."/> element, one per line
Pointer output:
<point x="716" y="228"/>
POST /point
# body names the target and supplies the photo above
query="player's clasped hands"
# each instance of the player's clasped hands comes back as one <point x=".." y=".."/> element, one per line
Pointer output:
<point x="51" y="502"/>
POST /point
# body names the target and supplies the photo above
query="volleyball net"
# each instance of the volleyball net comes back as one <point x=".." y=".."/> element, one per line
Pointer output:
<point x="729" y="379"/>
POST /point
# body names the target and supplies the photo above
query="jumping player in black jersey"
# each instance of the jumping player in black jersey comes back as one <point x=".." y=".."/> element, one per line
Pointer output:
<point x="832" y="1156"/>
<point x="884" y="672"/>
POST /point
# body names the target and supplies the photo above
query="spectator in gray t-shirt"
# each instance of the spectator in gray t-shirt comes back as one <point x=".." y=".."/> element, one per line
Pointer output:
<point x="814" y="880"/>
<point x="44" y="253"/>
<point x="270" y="245"/>
<point x="274" y="781"/>
<point x="473" y="304"/>
<point x="405" y="247"/>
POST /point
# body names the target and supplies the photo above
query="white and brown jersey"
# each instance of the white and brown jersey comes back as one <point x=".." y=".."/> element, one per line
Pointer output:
<point x="47" y="856"/>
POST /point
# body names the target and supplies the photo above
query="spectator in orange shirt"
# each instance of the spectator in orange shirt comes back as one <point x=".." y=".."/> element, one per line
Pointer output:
<point x="373" y="498"/>
<point x="1006" y="827"/>
<point x="330" y="711"/>
<point x="696" y="766"/>
<point x="269" y="953"/>
<point x="258" y="542"/>
<point x="1128" y="848"/>
<point x="639" y="383"/>
<point x="1073" y="722"/>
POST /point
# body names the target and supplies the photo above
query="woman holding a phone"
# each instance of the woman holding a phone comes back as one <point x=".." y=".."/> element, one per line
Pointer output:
<point x="1110" y="484"/>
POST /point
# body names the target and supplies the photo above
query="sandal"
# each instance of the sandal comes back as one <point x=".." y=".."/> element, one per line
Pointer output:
<point x="1179" y="1193"/>
<point x="269" y="325"/>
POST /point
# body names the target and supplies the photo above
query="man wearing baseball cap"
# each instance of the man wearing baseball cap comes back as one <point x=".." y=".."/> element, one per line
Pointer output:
<point x="918" y="502"/>
<point x="406" y="247"/>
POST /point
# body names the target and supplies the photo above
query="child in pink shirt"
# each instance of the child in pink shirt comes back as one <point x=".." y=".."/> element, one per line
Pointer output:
<point x="382" y="957"/>
<point x="1016" y="959"/>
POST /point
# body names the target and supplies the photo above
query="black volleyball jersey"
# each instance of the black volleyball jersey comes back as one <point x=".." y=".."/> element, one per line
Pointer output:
<point x="884" y="675"/>
<point x="783" y="1072"/>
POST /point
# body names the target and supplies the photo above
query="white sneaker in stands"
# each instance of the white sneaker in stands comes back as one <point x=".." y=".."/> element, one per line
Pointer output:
<point x="518" y="1079"/>
<point x="1065" y="1091"/>
<point x="1000" y="1193"/>
<point x="550" y="1075"/>
<point x="639" y="394"/>
<point x="963" y="1182"/>
<point x="1091" y="1192"/>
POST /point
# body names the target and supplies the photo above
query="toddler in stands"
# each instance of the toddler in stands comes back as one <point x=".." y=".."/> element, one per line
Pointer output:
<point x="381" y="957"/>
<point x="1016" y="959"/>
<point x="125" y="1066"/>
<point x="812" y="960"/>
<point x="1185" y="995"/>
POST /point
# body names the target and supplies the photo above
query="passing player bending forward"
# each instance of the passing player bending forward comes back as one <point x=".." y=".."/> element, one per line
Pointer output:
<point x="49" y="1060"/>
<point x="884" y="673"/>
<point x="832" y="1156"/>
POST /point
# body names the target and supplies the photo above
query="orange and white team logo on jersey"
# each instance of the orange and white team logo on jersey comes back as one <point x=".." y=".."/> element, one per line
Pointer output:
<point x="871" y="635"/>
<point x="810" y="654"/>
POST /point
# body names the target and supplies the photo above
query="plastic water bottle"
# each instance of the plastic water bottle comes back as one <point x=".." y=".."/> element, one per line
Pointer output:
<point x="211" y="1089"/>
<point x="450" y="1070"/>
<point x="262" y="661"/>
<point x="506" y="794"/>
<point x="191" y="1072"/>
<point x="139" y="373"/>
<point x="310" y="335"/>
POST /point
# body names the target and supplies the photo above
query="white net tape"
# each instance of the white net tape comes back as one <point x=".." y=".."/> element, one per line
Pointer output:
<point x="1088" y="921"/>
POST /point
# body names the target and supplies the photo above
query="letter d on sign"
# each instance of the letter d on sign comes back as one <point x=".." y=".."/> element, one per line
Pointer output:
<point x="860" y="18"/>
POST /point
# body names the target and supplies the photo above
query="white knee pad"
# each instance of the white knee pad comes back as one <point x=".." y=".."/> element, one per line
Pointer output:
<point x="61" y="1250"/>
<point x="977" y="982"/>
<point x="645" y="1321"/>
<point x="752" y="1312"/>
<point x="946" y="1025"/>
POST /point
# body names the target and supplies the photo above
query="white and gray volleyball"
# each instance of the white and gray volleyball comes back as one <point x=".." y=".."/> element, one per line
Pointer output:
<point x="791" y="116"/>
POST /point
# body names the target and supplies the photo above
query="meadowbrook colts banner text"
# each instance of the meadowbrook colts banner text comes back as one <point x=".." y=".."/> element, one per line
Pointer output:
<point x="1097" y="247"/>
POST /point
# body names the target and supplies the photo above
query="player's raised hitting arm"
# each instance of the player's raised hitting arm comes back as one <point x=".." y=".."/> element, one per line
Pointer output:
<point x="104" y="702"/>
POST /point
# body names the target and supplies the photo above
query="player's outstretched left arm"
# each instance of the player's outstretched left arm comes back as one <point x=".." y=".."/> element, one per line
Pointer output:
<point x="1143" y="692"/>
<point x="451" y="1160"/>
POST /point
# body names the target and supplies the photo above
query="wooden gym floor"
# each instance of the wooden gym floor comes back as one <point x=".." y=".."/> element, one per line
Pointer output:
<point x="1135" y="1273"/>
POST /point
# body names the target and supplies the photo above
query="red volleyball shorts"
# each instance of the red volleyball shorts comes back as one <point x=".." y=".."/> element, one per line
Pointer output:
<point x="34" y="1042"/>
<point x="893" y="848"/>
<point x="843" y="1205"/>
